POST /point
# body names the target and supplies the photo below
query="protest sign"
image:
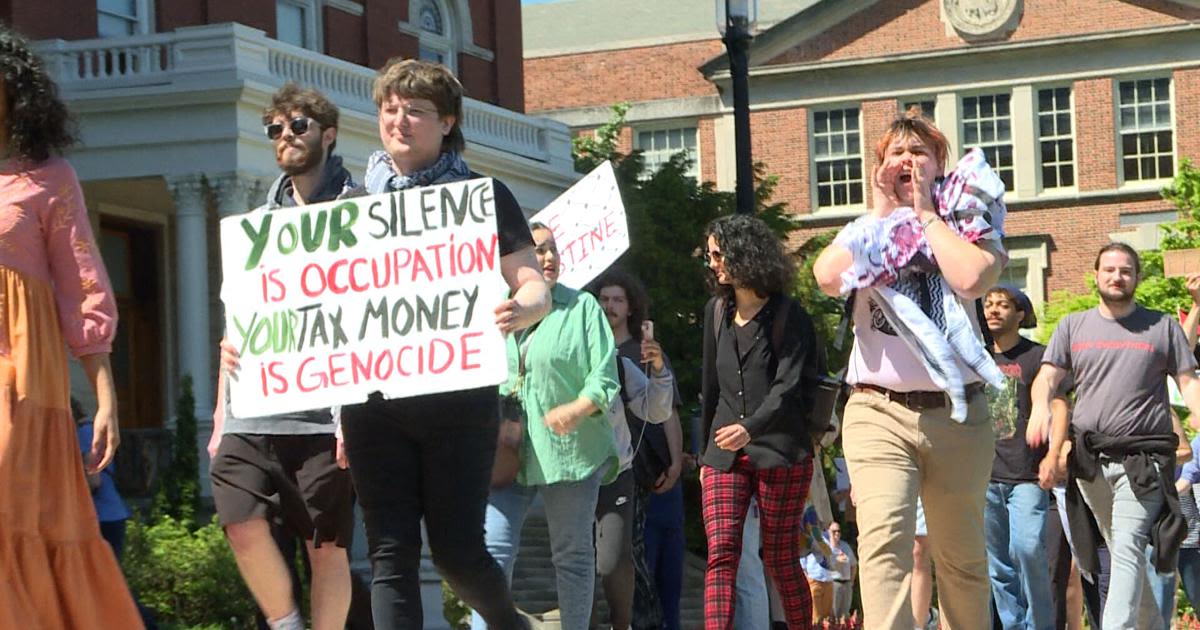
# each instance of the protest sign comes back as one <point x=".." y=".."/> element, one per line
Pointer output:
<point x="589" y="225"/>
<point x="393" y="293"/>
<point x="1180" y="262"/>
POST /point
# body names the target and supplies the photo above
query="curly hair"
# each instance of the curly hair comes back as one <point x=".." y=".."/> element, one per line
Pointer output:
<point x="37" y="122"/>
<point x="635" y="295"/>
<point x="310" y="102"/>
<point x="753" y="256"/>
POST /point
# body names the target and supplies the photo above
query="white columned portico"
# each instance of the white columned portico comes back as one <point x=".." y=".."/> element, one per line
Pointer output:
<point x="191" y="267"/>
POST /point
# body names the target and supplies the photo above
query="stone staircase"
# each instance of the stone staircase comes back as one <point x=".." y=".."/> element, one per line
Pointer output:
<point x="535" y="592"/>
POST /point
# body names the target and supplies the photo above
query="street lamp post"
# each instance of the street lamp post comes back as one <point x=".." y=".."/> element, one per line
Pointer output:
<point x="735" y="21"/>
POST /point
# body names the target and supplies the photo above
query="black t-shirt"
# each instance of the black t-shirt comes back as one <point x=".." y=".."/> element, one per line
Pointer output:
<point x="511" y="225"/>
<point x="1015" y="462"/>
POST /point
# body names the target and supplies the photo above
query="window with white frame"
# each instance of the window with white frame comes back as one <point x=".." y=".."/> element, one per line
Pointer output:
<point x="1147" y="137"/>
<point x="987" y="125"/>
<point x="1056" y="140"/>
<point x="837" y="157"/>
<point x="658" y="145"/>
<point x="295" y="23"/>
<point x="436" y="33"/>
<point x="928" y="107"/>
<point x="122" y="18"/>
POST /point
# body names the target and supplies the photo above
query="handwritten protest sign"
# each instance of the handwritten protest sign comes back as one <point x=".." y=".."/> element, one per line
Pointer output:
<point x="391" y="293"/>
<point x="589" y="226"/>
<point x="1180" y="262"/>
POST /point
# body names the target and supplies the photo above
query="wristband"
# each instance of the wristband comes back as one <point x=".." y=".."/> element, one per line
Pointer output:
<point x="925" y="224"/>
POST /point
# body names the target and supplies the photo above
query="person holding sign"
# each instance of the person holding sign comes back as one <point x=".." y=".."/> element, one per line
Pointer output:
<point x="288" y="468"/>
<point x="55" y="295"/>
<point x="755" y="406"/>
<point x="430" y="456"/>
<point x="564" y="373"/>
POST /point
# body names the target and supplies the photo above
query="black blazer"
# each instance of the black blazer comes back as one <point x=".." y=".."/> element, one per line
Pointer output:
<point x="767" y="394"/>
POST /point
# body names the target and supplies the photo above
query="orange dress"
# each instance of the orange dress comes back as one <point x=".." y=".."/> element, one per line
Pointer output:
<point x="56" y="572"/>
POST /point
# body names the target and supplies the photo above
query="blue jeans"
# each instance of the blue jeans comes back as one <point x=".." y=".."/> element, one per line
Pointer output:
<point x="1189" y="573"/>
<point x="664" y="556"/>
<point x="1015" y="525"/>
<point x="570" y="514"/>
<point x="1124" y="521"/>
<point x="1162" y="586"/>
<point x="753" y="609"/>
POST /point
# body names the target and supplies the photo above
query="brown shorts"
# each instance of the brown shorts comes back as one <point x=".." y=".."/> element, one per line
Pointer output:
<point x="292" y="480"/>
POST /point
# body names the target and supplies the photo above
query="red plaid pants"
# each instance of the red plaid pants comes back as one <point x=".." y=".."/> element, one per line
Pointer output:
<point x="781" y="493"/>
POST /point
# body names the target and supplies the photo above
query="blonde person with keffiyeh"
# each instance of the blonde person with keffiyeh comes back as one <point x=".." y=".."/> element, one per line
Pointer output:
<point x="918" y="421"/>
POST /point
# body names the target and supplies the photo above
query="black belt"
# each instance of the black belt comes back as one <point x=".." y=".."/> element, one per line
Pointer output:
<point x="917" y="401"/>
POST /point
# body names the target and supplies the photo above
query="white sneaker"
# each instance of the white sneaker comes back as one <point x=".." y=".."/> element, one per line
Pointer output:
<point x="934" y="620"/>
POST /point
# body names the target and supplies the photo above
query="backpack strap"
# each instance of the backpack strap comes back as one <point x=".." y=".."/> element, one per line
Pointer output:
<point x="621" y="379"/>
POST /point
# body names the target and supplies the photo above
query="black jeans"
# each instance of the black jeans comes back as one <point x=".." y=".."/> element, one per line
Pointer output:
<point x="427" y="457"/>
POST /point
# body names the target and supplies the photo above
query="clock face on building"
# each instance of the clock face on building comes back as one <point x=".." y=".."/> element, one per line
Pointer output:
<point x="982" y="19"/>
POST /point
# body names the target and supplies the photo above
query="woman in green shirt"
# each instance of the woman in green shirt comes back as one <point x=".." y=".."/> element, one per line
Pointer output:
<point x="568" y="381"/>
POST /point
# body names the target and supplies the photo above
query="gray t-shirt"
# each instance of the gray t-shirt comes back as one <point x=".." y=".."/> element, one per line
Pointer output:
<point x="311" y="422"/>
<point x="1120" y="368"/>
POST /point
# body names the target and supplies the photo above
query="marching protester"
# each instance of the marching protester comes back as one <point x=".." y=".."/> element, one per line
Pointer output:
<point x="1016" y="507"/>
<point x="563" y="372"/>
<point x="288" y="468"/>
<point x="759" y="346"/>
<point x="430" y="456"/>
<point x="1119" y="356"/>
<point x="917" y="421"/>
<point x="651" y="456"/>
<point x="56" y="295"/>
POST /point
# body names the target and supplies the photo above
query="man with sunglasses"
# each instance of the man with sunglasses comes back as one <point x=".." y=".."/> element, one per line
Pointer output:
<point x="287" y="474"/>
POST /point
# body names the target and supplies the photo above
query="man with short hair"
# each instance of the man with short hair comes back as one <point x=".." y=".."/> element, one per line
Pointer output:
<point x="1015" y="511"/>
<point x="1123" y="447"/>
<point x="288" y="468"/>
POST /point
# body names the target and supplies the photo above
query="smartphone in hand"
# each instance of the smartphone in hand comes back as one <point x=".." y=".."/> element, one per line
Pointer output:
<point x="648" y="330"/>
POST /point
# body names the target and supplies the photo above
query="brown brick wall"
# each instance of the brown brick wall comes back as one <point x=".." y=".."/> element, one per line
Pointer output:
<point x="477" y="78"/>
<point x="344" y="36"/>
<point x="509" y="70"/>
<point x="901" y="26"/>
<point x="1096" y="152"/>
<point x="49" y="19"/>
<point x="779" y="139"/>
<point x="611" y="76"/>
<point x="258" y="14"/>
<point x="877" y="117"/>
<point x="1187" y="114"/>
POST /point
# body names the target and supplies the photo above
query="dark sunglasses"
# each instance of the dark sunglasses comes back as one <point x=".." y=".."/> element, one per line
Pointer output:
<point x="299" y="127"/>
<point x="709" y="257"/>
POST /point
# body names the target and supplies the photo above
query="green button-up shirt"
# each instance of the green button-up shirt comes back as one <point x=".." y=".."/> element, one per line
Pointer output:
<point x="571" y="354"/>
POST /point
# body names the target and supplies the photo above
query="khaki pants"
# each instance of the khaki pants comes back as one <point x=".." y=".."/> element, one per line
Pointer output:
<point x="893" y="453"/>
<point x="822" y="599"/>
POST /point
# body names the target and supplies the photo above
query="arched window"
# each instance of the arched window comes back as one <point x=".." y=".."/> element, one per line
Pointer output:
<point x="436" y="33"/>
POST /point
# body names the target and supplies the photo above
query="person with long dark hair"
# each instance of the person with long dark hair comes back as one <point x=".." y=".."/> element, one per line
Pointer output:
<point x="754" y="410"/>
<point x="54" y="293"/>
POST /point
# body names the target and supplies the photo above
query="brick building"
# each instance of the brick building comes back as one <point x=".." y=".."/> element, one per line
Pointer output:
<point x="1086" y="107"/>
<point x="168" y="97"/>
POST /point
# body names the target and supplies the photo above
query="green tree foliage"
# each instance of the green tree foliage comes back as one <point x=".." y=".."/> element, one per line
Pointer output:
<point x="187" y="576"/>
<point x="179" y="494"/>
<point x="1155" y="292"/>
<point x="668" y="211"/>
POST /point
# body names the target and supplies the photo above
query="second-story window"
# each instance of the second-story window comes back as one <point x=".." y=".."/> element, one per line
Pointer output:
<point x="1146" y="131"/>
<point x="122" y="18"/>
<point x="658" y="145"/>
<point x="1056" y="144"/>
<point x="437" y="41"/>
<point x="295" y="23"/>
<point x="837" y="158"/>
<point x="987" y="124"/>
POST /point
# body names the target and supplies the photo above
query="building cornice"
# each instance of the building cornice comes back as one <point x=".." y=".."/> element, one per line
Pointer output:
<point x="951" y="53"/>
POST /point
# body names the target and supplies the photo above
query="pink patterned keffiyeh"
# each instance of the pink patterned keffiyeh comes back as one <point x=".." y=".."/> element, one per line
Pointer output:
<point x="894" y="263"/>
<point x="969" y="200"/>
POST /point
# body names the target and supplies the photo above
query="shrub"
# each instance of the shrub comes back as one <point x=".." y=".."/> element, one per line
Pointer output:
<point x="186" y="576"/>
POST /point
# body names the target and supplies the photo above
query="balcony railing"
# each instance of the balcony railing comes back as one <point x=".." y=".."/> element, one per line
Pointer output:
<point x="192" y="57"/>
